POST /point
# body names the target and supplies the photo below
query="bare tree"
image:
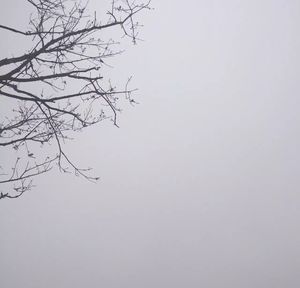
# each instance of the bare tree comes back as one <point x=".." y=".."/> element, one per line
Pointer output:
<point x="57" y="86"/>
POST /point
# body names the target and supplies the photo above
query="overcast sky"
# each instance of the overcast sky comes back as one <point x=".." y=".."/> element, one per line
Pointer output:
<point x="200" y="185"/>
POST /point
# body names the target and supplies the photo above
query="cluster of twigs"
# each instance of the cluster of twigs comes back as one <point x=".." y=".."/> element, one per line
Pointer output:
<point x="58" y="86"/>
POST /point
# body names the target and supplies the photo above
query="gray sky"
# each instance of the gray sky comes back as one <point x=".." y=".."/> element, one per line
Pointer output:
<point x="200" y="185"/>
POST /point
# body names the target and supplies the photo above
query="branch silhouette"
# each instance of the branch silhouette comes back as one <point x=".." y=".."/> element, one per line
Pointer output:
<point x="58" y="86"/>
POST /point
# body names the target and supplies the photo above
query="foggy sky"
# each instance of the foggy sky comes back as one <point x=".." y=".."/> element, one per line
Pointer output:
<point x="200" y="185"/>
